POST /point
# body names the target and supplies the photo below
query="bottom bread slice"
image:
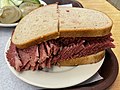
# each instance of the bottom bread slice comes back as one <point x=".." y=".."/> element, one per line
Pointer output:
<point x="83" y="60"/>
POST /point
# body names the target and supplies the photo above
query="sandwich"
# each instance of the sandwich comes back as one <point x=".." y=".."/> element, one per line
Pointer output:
<point x="63" y="36"/>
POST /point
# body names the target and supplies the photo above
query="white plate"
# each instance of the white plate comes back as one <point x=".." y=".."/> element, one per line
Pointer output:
<point x="15" y="24"/>
<point x="58" y="77"/>
<point x="8" y="25"/>
<point x="42" y="2"/>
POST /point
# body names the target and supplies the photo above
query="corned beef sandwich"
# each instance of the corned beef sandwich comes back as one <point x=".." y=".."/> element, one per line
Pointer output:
<point x="63" y="36"/>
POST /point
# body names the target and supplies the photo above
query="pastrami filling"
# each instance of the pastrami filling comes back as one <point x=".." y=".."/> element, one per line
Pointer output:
<point x="50" y="52"/>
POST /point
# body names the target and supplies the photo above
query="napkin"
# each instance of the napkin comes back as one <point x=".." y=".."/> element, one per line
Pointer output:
<point x="94" y="78"/>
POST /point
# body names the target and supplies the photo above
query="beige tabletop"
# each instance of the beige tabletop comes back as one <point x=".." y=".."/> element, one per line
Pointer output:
<point x="8" y="81"/>
<point x="114" y="14"/>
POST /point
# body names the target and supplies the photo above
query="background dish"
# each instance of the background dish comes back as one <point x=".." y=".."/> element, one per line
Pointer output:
<point x="8" y="25"/>
<point x="15" y="24"/>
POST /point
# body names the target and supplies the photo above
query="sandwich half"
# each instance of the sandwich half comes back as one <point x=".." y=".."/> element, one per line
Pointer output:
<point x="63" y="36"/>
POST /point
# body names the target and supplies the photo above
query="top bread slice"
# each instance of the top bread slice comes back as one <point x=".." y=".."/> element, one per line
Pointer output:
<point x="38" y="25"/>
<point x="81" y="22"/>
<point x="51" y="21"/>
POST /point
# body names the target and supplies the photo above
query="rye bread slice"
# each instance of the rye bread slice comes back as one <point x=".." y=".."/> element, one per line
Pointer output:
<point x="39" y="25"/>
<point x="82" y="22"/>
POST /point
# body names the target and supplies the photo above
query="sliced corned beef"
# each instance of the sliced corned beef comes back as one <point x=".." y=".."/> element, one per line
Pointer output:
<point x="37" y="66"/>
<point x="68" y="51"/>
<point x="29" y="55"/>
<point x="56" y="58"/>
<point x="43" y="53"/>
<point x="48" y="49"/>
<point x="43" y="64"/>
<point x="13" y="57"/>
<point x="50" y="52"/>
<point x="26" y="67"/>
<point x="54" y="47"/>
<point x="48" y="62"/>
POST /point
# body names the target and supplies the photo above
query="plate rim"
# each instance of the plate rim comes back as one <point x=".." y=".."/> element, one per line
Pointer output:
<point x="8" y="25"/>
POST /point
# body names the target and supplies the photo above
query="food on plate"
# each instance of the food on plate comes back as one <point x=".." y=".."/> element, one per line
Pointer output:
<point x="27" y="7"/>
<point x="10" y="14"/>
<point x="32" y="1"/>
<point x="8" y="9"/>
<point x="63" y="36"/>
<point x="5" y="3"/>
<point x="16" y="2"/>
<point x="1" y="11"/>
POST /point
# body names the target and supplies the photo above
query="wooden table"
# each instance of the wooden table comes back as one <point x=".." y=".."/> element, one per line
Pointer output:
<point x="114" y="14"/>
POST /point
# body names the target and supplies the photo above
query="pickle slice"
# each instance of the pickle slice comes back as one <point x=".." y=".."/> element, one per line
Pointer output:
<point x="5" y="3"/>
<point x="32" y="1"/>
<point x="27" y="7"/>
<point x="10" y="14"/>
<point x="1" y="11"/>
<point x="17" y="2"/>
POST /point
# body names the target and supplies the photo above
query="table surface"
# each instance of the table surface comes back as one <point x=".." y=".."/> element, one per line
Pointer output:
<point x="8" y="81"/>
<point x="114" y="14"/>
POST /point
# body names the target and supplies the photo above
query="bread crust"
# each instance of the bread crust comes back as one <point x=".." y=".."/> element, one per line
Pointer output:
<point x="85" y="32"/>
<point x="71" y="23"/>
<point x="94" y="58"/>
<point x="37" y="40"/>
